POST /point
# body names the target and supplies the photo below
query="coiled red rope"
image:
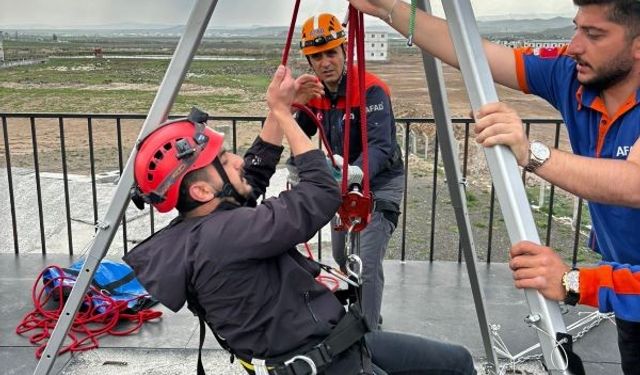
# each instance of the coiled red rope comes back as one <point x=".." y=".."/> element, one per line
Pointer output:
<point x="90" y="323"/>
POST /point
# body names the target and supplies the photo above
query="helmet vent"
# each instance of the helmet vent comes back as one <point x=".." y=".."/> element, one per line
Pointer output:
<point x="167" y="146"/>
<point x="152" y="166"/>
<point x="149" y="176"/>
<point x="158" y="155"/>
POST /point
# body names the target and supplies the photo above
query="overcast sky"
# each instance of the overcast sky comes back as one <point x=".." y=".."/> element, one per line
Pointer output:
<point x="72" y="13"/>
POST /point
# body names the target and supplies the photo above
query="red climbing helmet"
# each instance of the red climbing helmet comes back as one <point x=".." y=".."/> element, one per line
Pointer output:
<point x="167" y="154"/>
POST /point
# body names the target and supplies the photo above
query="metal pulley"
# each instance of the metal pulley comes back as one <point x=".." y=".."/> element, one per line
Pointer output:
<point x="355" y="211"/>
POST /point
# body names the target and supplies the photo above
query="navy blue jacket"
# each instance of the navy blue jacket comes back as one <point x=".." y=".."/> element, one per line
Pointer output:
<point x="385" y="160"/>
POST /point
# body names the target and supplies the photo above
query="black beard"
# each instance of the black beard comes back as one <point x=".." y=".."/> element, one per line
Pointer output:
<point x="616" y="72"/>
<point x="608" y="79"/>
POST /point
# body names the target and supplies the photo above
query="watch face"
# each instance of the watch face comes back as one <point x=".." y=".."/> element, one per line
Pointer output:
<point x="540" y="151"/>
<point x="573" y="281"/>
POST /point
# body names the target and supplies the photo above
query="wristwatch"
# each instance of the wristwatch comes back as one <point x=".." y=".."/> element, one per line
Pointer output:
<point x="571" y="283"/>
<point x="539" y="153"/>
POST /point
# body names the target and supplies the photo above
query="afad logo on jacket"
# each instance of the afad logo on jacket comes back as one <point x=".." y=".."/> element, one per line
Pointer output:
<point x="344" y="117"/>
<point x="320" y="116"/>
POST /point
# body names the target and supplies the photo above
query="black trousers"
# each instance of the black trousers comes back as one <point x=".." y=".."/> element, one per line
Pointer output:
<point x="403" y="354"/>
<point x="629" y="345"/>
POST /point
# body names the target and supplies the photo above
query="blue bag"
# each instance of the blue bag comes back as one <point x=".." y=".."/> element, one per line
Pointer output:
<point x="113" y="279"/>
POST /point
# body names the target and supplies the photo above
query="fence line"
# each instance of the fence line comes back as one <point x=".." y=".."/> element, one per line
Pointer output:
<point x="68" y="122"/>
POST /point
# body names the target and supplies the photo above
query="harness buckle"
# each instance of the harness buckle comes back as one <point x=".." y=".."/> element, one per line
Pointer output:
<point x="305" y="359"/>
<point x="259" y="366"/>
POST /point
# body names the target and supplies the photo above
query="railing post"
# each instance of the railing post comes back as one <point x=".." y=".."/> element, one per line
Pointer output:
<point x="36" y="165"/>
<point x="92" y="166"/>
<point x="12" y="202"/>
<point x="405" y="132"/>
<point x="65" y="179"/>
<point x="125" y="246"/>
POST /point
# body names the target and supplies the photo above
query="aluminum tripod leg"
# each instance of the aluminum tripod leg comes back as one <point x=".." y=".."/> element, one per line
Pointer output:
<point x="504" y="172"/>
<point x="169" y="88"/>
<point x="449" y="151"/>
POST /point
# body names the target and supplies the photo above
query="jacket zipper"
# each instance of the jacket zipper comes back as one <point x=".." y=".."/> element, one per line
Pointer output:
<point x="307" y="300"/>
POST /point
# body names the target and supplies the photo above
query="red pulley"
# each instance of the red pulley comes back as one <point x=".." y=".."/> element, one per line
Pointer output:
<point x="355" y="211"/>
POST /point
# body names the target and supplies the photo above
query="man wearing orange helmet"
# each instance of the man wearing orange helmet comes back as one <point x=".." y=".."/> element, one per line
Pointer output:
<point x="323" y="43"/>
<point x="235" y="263"/>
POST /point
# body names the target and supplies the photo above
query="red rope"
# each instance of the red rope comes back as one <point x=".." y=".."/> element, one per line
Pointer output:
<point x="349" y="95"/>
<point x="318" y="125"/>
<point x="356" y="37"/>
<point x="89" y="324"/>
<point x="353" y="206"/>
<point x="363" y="111"/>
<point x="287" y="46"/>
<point x="302" y="107"/>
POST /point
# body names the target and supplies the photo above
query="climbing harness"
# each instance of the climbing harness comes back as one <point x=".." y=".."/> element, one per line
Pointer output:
<point x="309" y="361"/>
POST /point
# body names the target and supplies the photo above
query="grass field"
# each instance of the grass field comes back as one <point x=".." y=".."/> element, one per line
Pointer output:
<point x="129" y="85"/>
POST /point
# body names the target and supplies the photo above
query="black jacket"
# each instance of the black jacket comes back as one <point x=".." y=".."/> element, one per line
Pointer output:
<point x="254" y="285"/>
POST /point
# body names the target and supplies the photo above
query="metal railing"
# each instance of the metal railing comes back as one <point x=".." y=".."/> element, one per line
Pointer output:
<point x="56" y="129"/>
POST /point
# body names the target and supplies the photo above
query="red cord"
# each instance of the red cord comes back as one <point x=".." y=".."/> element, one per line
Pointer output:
<point x="89" y="323"/>
<point x="287" y="46"/>
<point x="363" y="112"/>
<point x="349" y="95"/>
<point x="356" y="38"/>
<point x="318" y="125"/>
<point x="331" y="282"/>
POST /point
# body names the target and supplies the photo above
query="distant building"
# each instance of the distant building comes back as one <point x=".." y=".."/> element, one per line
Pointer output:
<point x="535" y="44"/>
<point x="376" y="46"/>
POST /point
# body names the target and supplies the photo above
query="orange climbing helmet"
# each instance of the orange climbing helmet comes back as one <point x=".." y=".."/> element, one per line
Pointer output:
<point x="321" y="33"/>
<point x="170" y="152"/>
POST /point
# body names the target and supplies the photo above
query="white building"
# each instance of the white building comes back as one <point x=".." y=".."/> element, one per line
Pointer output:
<point x="376" y="46"/>
<point x="535" y="44"/>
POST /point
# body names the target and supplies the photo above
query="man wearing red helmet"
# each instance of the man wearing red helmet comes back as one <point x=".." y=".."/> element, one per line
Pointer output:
<point x="323" y="43"/>
<point x="235" y="263"/>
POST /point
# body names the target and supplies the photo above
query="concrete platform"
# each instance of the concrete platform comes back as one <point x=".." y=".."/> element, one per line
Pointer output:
<point x="431" y="299"/>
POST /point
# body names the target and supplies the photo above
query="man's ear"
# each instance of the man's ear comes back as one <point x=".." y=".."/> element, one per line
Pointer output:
<point x="201" y="191"/>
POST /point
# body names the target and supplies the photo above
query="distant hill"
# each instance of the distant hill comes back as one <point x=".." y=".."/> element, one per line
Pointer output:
<point x="532" y="25"/>
<point x="558" y="26"/>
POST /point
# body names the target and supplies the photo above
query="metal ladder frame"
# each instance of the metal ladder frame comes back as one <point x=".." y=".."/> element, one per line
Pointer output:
<point x="106" y="229"/>
<point x="457" y="188"/>
<point x="544" y="314"/>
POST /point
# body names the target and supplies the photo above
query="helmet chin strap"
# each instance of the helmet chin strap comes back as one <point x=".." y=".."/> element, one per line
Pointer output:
<point x="228" y="190"/>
